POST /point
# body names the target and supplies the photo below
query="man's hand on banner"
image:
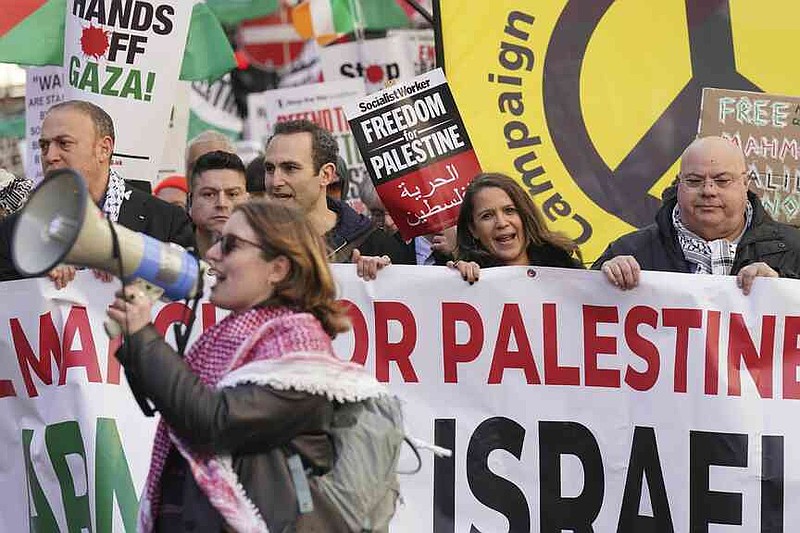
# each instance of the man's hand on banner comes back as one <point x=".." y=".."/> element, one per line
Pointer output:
<point x="131" y="309"/>
<point x="367" y="266"/>
<point x="62" y="275"/>
<point x="746" y="276"/>
<point x="622" y="271"/>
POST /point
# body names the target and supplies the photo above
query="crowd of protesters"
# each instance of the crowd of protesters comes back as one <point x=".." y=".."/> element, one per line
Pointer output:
<point x="269" y="229"/>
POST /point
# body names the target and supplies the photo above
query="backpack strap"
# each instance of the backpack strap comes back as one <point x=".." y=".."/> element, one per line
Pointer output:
<point x="343" y="252"/>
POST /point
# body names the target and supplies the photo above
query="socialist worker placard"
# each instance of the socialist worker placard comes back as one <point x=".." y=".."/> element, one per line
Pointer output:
<point x="417" y="152"/>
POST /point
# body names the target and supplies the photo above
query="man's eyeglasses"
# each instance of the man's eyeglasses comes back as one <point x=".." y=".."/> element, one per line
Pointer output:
<point x="694" y="181"/>
<point x="230" y="242"/>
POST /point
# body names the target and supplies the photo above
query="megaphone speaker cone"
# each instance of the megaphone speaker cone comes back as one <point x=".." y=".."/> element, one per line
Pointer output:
<point x="50" y="222"/>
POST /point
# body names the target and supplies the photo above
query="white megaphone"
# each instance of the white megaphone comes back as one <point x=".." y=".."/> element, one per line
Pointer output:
<point x="61" y="224"/>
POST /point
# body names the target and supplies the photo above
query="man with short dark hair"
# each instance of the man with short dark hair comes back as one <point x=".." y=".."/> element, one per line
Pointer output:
<point x="300" y="162"/>
<point x="217" y="184"/>
<point x="713" y="225"/>
<point x="80" y="135"/>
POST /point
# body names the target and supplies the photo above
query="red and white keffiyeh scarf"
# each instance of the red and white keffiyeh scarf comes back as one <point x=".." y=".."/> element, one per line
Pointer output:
<point x="271" y="346"/>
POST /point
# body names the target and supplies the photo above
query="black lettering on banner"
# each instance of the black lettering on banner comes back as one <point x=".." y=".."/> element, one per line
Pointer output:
<point x="444" y="477"/>
<point x="495" y="492"/>
<point x="556" y="512"/>
<point x="137" y="15"/>
<point x="772" y="484"/>
<point x="644" y="463"/>
<point x="119" y="14"/>
<point x="707" y="506"/>
<point x="163" y="14"/>
<point x="142" y="16"/>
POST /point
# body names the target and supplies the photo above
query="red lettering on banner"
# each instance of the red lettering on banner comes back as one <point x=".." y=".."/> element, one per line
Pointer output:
<point x="341" y="119"/>
<point x="642" y="381"/>
<point x="360" y="333"/>
<point x="400" y="351"/>
<point x="791" y="357"/>
<point x="78" y="325"/>
<point x="113" y="366"/>
<point x="712" y="353"/>
<point x="594" y="345"/>
<point x="454" y="353"/>
<point x="511" y="322"/>
<point x="682" y="320"/>
<point x="555" y="374"/>
<point x="49" y="351"/>
<point x="7" y="388"/>
<point x="741" y="347"/>
<point x="172" y="313"/>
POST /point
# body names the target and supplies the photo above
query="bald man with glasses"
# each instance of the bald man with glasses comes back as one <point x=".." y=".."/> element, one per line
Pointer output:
<point x="713" y="225"/>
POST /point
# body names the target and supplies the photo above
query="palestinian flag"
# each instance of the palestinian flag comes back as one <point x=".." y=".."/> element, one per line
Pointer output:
<point x="326" y="20"/>
<point x="32" y="33"/>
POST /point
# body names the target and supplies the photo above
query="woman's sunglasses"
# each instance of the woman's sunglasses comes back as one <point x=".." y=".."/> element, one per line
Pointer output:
<point x="230" y="242"/>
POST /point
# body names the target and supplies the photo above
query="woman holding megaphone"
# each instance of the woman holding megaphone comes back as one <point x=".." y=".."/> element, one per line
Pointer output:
<point x="255" y="390"/>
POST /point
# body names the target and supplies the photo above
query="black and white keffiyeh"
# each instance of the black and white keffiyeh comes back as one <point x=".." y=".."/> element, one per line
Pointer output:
<point x="709" y="257"/>
<point x="115" y="195"/>
<point x="14" y="192"/>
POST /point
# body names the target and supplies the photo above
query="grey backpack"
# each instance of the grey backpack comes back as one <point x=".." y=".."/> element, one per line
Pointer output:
<point x="363" y="484"/>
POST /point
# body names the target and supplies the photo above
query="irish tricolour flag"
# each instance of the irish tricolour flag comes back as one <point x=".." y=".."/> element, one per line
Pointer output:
<point x="327" y="19"/>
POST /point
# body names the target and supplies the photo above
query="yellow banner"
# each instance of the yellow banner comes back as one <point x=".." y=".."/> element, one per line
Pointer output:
<point x="590" y="103"/>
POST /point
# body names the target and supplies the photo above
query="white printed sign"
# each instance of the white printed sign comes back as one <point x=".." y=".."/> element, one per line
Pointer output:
<point x="127" y="61"/>
<point x="377" y="61"/>
<point x="420" y="47"/>
<point x="44" y="87"/>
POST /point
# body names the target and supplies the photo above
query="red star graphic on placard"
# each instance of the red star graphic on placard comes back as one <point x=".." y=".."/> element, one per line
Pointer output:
<point x="94" y="41"/>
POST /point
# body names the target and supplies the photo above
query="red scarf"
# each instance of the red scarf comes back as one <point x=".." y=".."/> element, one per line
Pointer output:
<point x="259" y="334"/>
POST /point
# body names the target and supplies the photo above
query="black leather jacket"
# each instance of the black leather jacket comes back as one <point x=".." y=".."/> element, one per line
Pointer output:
<point x="258" y="425"/>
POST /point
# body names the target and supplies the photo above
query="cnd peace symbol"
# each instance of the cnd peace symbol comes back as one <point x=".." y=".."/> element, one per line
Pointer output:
<point x="623" y="191"/>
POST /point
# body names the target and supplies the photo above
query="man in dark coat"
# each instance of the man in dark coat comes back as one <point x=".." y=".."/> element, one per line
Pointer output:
<point x="80" y="135"/>
<point x="712" y="225"/>
<point x="300" y="162"/>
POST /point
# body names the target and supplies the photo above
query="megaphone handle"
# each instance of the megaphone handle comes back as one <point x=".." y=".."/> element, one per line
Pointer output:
<point x="153" y="292"/>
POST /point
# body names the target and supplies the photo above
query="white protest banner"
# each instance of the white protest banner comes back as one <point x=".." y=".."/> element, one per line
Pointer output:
<point x="44" y="86"/>
<point x="377" y="61"/>
<point x="173" y="155"/>
<point x="74" y="442"/>
<point x="417" y="152"/>
<point x="568" y="404"/>
<point x="126" y="59"/>
<point x="213" y="106"/>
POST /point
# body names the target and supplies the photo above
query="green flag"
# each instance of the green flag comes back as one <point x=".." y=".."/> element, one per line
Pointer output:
<point x="231" y="12"/>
